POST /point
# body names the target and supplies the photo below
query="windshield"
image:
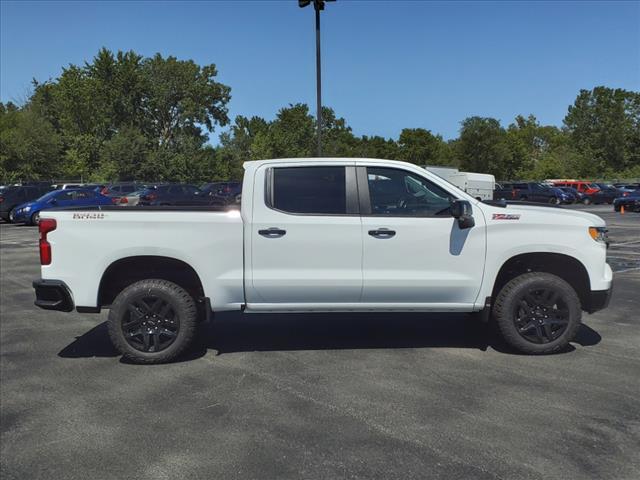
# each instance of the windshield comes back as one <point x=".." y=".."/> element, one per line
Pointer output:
<point x="48" y="196"/>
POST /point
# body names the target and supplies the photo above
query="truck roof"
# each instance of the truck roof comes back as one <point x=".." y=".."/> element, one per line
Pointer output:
<point x="257" y="163"/>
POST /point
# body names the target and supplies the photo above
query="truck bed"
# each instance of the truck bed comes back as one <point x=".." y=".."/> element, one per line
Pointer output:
<point x="87" y="241"/>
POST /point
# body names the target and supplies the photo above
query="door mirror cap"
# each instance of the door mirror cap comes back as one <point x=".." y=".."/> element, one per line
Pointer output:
<point x="462" y="211"/>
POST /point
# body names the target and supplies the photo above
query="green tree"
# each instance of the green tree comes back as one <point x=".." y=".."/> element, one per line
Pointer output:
<point x="420" y="146"/>
<point x="121" y="113"/>
<point x="482" y="147"/>
<point x="29" y="146"/>
<point x="604" y="127"/>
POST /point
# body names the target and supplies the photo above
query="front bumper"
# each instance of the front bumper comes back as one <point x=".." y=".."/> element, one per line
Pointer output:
<point x="53" y="295"/>
<point x="598" y="299"/>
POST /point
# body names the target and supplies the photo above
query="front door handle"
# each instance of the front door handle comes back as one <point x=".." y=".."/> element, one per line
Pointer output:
<point x="382" y="233"/>
<point x="272" y="232"/>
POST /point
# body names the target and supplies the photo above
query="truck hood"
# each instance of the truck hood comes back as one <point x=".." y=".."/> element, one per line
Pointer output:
<point x="554" y="215"/>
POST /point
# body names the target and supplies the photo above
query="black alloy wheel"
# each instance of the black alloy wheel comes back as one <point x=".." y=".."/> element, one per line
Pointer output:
<point x="150" y="324"/>
<point x="541" y="315"/>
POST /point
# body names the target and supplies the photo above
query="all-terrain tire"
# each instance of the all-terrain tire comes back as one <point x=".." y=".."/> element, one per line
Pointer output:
<point x="184" y="315"/>
<point x="505" y="311"/>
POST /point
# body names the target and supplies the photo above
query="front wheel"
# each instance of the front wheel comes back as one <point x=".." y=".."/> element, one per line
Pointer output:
<point x="537" y="313"/>
<point x="554" y="201"/>
<point x="586" y="201"/>
<point x="152" y="321"/>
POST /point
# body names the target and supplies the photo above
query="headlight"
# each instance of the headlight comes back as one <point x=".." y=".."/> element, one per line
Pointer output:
<point x="26" y="209"/>
<point x="599" y="234"/>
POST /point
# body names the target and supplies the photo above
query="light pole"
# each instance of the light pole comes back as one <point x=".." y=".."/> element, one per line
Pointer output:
<point x="318" y="5"/>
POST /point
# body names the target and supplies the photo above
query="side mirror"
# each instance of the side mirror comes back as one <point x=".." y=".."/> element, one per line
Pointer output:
<point x="462" y="211"/>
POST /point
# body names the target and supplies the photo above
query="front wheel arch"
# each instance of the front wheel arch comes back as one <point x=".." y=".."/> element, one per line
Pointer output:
<point x="568" y="268"/>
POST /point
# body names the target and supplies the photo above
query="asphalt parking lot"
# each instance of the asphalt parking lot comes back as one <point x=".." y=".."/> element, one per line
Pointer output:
<point x="316" y="396"/>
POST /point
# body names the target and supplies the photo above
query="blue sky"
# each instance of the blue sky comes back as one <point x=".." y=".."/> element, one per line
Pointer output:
<point x="386" y="64"/>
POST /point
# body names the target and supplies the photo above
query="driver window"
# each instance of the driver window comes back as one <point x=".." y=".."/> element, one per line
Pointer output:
<point x="400" y="193"/>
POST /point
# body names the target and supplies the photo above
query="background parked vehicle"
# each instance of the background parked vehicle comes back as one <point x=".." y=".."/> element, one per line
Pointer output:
<point x="479" y="185"/>
<point x="578" y="196"/>
<point x="29" y="212"/>
<point x="130" y="199"/>
<point x="631" y="202"/>
<point x="176" y="194"/>
<point x="12" y="196"/>
<point x="538" y="192"/>
<point x="627" y="188"/>
<point x="223" y="193"/>
<point x="582" y="186"/>
<point x="606" y="193"/>
<point x="504" y="191"/>
<point x="116" y="191"/>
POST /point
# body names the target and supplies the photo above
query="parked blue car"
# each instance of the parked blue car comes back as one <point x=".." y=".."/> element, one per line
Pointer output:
<point x="631" y="202"/>
<point x="29" y="212"/>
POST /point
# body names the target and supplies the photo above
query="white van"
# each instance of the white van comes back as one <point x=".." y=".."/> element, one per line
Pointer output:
<point x="478" y="185"/>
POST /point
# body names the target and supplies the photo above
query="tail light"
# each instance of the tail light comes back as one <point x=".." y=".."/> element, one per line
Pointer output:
<point x="115" y="200"/>
<point x="152" y="196"/>
<point x="1" y="199"/>
<point x="124" y="200"/>
<point x="104" y="191"/>
<point x="45" y="226"/>
<point x="227" y="189"/>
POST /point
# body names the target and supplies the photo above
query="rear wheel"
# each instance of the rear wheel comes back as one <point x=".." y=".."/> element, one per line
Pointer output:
<point x="586" y="201"/>
<point x="152" y="321"/>
<point x="537" y="313"/>
<point x="554" y="200"/>
<point x="35" y="218"/>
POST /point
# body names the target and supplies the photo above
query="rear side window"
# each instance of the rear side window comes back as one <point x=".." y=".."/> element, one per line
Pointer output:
<point x="84" y="194"/>
<point x="65" y="195"/>
<point x="310" y="190"/>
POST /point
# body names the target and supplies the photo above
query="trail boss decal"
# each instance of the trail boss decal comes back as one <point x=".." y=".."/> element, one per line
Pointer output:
<point x="506" y="216"/>
<point x="88" y="216"/>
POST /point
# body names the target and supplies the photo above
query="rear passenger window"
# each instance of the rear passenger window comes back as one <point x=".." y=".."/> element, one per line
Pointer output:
<point x="312" y="190"/>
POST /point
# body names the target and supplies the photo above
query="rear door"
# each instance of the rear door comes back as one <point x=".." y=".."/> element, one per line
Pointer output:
<point x="414" y="253"/>
<point x="305" y="237"/>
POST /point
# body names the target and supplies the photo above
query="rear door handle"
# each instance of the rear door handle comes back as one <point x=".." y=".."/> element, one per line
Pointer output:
<point x="272" y="232"/>
<point x="382" y="233"/>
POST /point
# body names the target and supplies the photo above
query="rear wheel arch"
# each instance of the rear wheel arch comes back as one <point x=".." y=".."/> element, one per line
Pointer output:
<point x="126" y="271"/>
<point x="568" y="268"/>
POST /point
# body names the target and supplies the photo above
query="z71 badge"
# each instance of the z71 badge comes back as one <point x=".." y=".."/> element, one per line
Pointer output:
<point x="88" y="216"/>
<point x="506" y="216"/>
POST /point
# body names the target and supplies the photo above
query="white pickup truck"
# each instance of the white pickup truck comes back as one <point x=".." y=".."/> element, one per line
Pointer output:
<point x="326" y="235"/>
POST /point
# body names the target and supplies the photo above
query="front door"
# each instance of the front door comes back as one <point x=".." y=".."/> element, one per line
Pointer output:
<point x="415" y="255"/>
<point x="305" y="237"/>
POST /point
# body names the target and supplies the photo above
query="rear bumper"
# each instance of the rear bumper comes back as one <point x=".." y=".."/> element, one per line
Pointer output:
<point x="53" y="295"/>
<point x="599" y="300"/>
